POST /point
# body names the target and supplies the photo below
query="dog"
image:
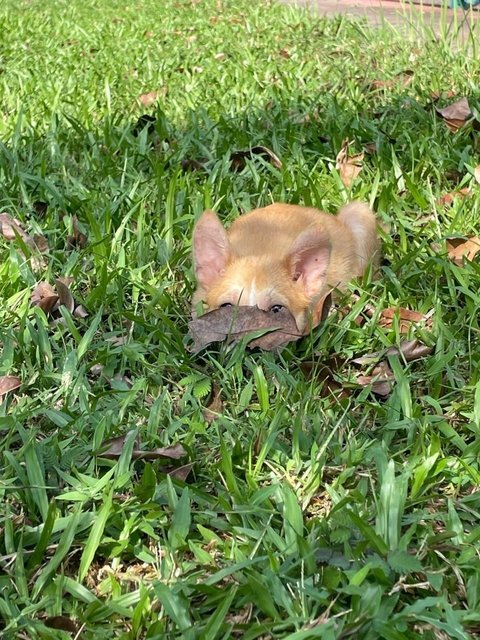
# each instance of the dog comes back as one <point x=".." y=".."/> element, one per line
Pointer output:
<point x="281" y="256"/>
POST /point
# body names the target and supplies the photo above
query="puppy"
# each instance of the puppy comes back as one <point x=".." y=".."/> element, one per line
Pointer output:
<point x="282" y="256"/>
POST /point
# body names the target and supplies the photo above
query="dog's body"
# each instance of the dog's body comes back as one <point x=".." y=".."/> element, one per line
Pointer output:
<point x="282" y="256"/>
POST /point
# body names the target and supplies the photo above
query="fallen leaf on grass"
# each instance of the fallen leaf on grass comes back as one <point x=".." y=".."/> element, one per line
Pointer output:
<point x="215" y="406"/>
<point x="459" y="249"/>
<point x="449" y="198"/>
<point x="114" y="448"/>
<point x="144" y="121"/>
<point x="234" y="323"/>
<point x="189" y="164"/>
<point x="64" y="294"/>
<point x="180" y="473"/>
<point x="348" y="166"/>
<point x="77" y="239"/>
<point x="38" y="242"/>
<point x="49" y="298"/>
<point x="44" y="296"/>
<point x="238" y="159"/>
<point x="147" y="99"/>
<point x="406" y="317"/>
<point x="381" y="379"/>
<point x="11" y="228"/>
<point x="323" y="372"/>
<point x="8" y="383"/>
<point x="455" y="115"/>
<point x="402" y="79"/>
<point x="80" y="311"/>
<point x="60" y="622"/>
<point x="409" y="349"/>
<point x="40" y="207"/>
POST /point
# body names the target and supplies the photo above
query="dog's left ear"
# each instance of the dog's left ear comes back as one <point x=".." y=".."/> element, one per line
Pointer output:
<point x="308" y="259"/>
<point x="211" y="249"/>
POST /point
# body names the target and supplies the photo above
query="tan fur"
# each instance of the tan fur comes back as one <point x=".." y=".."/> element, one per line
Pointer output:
<point x="282" y="255"/>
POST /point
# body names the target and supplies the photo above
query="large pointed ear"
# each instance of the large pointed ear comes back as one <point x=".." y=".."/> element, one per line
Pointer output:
<point x="211" y="249"/>
<point x="308" y="259"/>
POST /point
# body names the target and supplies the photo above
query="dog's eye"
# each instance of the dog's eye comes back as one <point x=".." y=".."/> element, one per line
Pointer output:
<point x="225" y="304"/>
<point x="276" y="308"/>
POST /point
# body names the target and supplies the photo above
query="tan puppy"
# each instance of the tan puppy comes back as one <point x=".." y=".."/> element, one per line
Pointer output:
<point x="282" y="256"/>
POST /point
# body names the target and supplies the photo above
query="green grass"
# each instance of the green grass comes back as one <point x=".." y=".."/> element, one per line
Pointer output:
<point x="306" y="514"/>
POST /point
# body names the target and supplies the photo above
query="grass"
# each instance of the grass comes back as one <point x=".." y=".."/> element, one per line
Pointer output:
<point x="307" y="513"/>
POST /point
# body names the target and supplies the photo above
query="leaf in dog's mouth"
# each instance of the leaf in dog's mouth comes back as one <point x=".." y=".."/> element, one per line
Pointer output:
<point x="236" y="323"/>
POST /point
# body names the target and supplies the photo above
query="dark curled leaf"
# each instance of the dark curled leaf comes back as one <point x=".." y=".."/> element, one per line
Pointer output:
<point x="60" y="622"/>
<point x="189" y="165"/>
<point x="142" y="122"/>
<point x="64" y="295"/>
<point x="238" y="158"/>
<point x="77" y="239"/>
<point x="40" y="207"/>
<point x="180" y="473"/>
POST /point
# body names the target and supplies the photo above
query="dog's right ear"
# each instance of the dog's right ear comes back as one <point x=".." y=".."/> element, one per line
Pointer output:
<point x="211" y="249"/>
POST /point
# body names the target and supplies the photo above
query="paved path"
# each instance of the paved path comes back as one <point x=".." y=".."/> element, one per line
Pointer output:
<point x="401" y="14"/>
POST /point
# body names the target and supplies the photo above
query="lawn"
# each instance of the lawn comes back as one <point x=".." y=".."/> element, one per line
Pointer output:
<point x="150" y="492"/>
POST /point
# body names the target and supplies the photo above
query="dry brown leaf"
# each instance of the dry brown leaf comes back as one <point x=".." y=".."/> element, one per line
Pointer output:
<point x="459" y="249"/>
<point x="381" y="379"/>
<point x="180" y="473"/>
<point x="11" y="228"/>
<point x="215" y="406"/>
<point x="323" y="372"/>
<point x="80" y="312"/>
<point x="449" y="198"/>
<point x="44" y="296"/>
<point x="38" y="242"/>
<point x="234" y="323"/>
<point x="40" y="207"/>
<point x="402" y="79"/>
<point x="348" y="166"/>
<point x="238" y="159"/>
<point x="455" y="115"/>
<point x="114" y="446"/>
<point x="189" y="164"/>
<point x="60" y="622"/>
<point x="436" y="95"/>
<point x="284" y="53"/>
<point x="147" y="99"/>
<point x="406" y="317"/>
<point x="77" y="239"/>
<point x="8" y="383"/>
<point x="64" y="295"/>
<point x="409" y="349"/>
